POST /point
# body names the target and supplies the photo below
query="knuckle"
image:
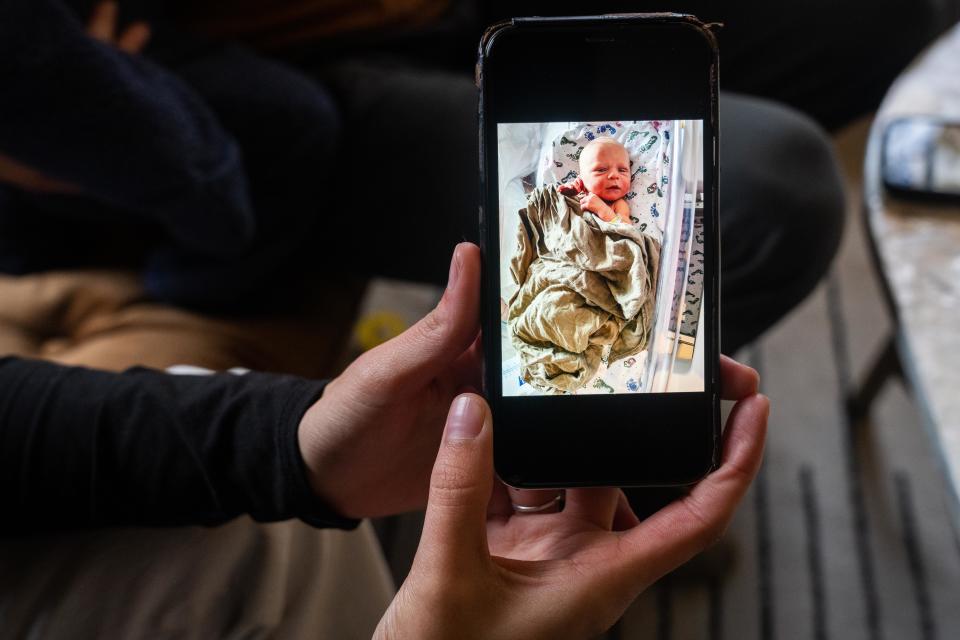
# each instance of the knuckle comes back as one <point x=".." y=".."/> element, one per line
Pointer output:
<point x="706" y="529"/>
<point x="372" y="368"/>
<point x="739" y="474"/>
<point x="434" y="327"/>
<point x="451" y="484"/>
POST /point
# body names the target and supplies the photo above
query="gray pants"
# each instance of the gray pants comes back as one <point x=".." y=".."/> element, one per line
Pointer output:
<point x="241" y="580"/>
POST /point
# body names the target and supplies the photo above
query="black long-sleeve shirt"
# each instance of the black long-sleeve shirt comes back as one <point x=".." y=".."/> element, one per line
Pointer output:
<point x="85" y="448"/>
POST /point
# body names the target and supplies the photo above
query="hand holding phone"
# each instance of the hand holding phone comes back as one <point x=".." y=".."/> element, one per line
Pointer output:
<point x="483" y="571"/>
<point x="369" y="441"/>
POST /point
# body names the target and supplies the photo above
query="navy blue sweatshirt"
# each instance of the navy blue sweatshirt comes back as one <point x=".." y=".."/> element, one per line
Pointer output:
<point x="125" y="131"/>
<point x="210" y="156"/>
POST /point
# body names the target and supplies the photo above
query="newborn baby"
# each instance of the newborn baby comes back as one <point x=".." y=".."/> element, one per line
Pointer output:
<point x="604" y="180"/>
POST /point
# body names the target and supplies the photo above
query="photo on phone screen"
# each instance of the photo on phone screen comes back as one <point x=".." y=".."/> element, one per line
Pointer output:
<point x="601" y="257"/>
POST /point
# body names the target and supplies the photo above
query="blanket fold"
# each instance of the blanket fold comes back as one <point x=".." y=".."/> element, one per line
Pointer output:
<point x="586" y="291"/>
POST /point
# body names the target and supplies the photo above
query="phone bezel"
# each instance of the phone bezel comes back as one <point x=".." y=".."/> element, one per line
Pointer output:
<point x="585" y="442"/>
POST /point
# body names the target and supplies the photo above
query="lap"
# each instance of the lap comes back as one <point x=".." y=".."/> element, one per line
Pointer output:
<point x="242" y="579"/>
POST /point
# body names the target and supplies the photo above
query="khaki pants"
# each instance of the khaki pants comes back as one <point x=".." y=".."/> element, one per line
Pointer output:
<point x="240" y="580"/>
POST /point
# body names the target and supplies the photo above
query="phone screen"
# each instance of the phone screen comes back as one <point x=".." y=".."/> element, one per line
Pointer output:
<point x="599" y="235"/>
<point x="601" y="257"/>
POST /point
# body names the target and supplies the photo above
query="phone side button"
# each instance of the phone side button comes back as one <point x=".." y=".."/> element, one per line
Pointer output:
<point x="482" y="227"/>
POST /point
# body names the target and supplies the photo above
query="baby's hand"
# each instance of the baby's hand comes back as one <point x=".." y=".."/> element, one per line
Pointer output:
<point x="593" y="203"/>
<point x="572" y="188"/>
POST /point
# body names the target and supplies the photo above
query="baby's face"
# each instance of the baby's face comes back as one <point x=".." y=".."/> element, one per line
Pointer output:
<point x="605" y="170"/>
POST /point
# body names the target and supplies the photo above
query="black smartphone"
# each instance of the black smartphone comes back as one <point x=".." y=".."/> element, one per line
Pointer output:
<point x="599" y="233"/>
<point x="920" y="159"/>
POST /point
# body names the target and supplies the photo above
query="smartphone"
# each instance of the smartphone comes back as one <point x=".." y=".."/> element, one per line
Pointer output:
<point x="920" y="159"/>
<point x="599" y="235"/>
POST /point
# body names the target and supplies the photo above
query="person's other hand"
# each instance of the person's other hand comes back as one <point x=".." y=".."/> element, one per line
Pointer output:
<point x="370" y="441"/>
<point x="483" y="572"/>
<point x="102" y="26"/>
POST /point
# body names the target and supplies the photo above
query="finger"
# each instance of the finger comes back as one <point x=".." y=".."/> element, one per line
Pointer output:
<point x="685" y="527"/>
<point x="102" y="25"/>
<point x="134" y="38"/>
<point x="454" y="529"/>
<point x="737" y="380"/>
<point x="500" y="505"/>
<point x="624" y="518"/>
<point x="546" y="498"/>
<point x="428" y="347"/>
<point x="596" y="506"/>
<point x="467" y="370"/>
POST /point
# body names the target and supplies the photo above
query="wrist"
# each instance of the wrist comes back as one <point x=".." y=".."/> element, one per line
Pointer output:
<point x="315" y="439"/>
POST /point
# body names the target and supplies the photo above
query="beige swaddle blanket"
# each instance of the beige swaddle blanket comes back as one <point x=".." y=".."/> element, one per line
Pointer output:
<point x="583" y="284"/>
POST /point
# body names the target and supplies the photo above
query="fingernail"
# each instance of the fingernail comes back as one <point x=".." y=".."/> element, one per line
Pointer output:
<point x="454" y="269"/>
<point x="465" y="420"/>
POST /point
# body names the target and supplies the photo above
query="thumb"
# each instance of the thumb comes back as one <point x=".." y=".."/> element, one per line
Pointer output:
<point x="432" y="344"/>
<point x="454" y="529"/>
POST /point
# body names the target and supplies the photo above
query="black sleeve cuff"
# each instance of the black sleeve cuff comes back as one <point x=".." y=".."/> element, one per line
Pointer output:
<point x="306" y="505"/>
